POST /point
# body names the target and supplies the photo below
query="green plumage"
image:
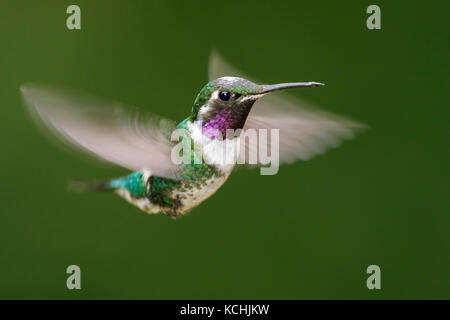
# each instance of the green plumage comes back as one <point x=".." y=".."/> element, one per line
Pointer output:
<point x="133" y="183"/>
<point x="159" y="190"/>
<point x="202" y="98"/>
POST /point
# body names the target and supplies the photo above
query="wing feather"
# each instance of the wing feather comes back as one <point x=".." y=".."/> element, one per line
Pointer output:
<point x="105" y="129"/>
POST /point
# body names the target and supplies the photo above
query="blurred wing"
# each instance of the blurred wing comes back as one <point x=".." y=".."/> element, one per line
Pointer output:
<point x="104" y="128"/>
<point x="304" y="131"/>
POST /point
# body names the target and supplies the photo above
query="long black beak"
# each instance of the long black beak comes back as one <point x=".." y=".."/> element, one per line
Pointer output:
<point x="281" y="86"/>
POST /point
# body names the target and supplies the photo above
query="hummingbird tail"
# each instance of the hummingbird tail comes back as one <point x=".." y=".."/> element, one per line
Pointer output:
<point x="83" y="186"/>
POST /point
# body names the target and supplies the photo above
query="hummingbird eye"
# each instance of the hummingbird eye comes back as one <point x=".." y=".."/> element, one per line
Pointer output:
<point x="224" y="95"/>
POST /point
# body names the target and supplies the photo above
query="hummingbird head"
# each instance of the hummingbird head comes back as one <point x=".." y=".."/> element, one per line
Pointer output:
<point x="225" y="103"/>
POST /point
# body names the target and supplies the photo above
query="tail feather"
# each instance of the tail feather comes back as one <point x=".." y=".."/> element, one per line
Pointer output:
<point x="83" y="186"/>
<point x="135" y="183"/>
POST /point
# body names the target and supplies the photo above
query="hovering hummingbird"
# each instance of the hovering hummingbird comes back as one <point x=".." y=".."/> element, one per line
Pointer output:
<point x="143" y="144"/>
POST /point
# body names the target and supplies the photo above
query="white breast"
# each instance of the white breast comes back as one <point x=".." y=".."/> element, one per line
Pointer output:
<point x="221" y="153"/>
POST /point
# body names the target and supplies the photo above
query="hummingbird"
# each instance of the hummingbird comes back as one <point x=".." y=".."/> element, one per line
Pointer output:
<point x="143" y="144"/>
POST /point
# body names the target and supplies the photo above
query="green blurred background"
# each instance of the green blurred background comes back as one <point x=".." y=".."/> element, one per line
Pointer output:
<point x="308" y="232"/>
